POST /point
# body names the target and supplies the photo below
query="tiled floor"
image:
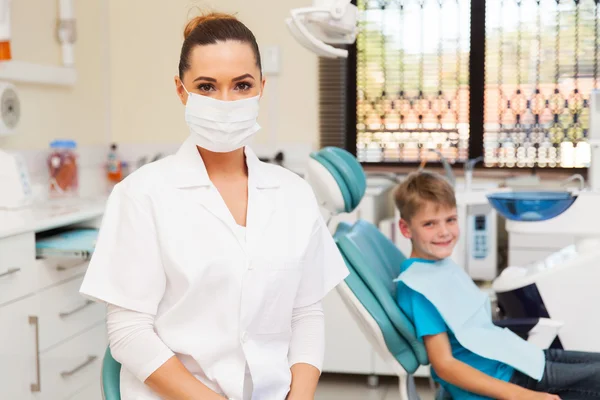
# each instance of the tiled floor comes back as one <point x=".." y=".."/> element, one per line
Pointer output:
<point x="353" y="387"/>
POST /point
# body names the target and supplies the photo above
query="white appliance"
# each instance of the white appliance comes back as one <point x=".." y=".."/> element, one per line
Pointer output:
<point x="15" y="185"/>
<point x="563" y="286"/>
<point x="326" y="23"/>
<point x="10" y="109"/>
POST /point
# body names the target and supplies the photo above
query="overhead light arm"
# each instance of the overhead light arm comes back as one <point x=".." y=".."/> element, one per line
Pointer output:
<point x="316" y="28"/>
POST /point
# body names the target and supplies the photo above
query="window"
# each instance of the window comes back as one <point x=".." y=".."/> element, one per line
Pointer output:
<point x="508" y="80"/>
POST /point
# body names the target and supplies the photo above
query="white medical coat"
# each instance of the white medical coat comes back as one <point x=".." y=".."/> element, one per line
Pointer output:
<point x="167" y="246"/>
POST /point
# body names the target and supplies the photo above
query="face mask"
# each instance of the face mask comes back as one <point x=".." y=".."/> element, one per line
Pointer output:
<point x="221" y="126"/>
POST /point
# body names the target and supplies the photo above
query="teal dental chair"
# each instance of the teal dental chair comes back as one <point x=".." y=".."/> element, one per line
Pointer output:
<point x="339" y="183"/>
<point x="111" y="381"/>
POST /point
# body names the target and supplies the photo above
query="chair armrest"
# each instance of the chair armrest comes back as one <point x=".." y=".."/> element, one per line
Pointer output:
<point x="520" y="326"/>
<point x="544" y="333"/>
<point x="539" y="331"/>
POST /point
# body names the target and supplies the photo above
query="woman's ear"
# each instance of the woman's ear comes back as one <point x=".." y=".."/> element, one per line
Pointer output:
<point x="262" y="86"/>
<point x="405" y="229"/>
<point x="181" y="93"/>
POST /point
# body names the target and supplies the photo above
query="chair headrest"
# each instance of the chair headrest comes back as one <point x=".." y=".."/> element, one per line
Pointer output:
<point x="337" y="178"/>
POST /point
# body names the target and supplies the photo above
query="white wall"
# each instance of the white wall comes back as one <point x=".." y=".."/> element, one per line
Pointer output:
<point x="127" y="54"/>
<point x="145" y="44"/>
<point x="48" y="112"/>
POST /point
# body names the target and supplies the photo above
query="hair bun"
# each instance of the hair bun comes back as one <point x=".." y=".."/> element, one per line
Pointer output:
<point x="201" y="19"/>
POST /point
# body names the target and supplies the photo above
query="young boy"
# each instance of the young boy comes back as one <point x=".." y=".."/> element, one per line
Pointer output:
<point x="470" y="357"/>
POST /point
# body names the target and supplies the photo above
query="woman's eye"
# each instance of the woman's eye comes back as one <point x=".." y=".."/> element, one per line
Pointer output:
<point x="205" y="87"/>
<point x="243" y="86"/>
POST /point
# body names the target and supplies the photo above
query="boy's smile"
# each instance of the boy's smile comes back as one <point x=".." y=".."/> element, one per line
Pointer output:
<point x="433" y="231"/>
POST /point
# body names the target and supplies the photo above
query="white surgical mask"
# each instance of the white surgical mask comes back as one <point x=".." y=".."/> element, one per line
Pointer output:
<point x="221" y="126"/>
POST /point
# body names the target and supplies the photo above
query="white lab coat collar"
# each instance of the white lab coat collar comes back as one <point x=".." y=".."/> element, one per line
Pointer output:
<point x="190" y="170"/>
<point x="263" y="183"/>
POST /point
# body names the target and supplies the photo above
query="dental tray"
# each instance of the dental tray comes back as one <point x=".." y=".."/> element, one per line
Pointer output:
<point x="72" y="243"/>
<point x="531" y="206"/>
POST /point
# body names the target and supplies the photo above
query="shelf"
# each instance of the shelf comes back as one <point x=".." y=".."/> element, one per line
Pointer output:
<point x="26" y="72"/>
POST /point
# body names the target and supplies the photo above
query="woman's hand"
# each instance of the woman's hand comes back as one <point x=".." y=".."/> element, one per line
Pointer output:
<point x="305" y="378"/>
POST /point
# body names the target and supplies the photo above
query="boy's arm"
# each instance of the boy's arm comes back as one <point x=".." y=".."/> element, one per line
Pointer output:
<point x="470" y="379"/>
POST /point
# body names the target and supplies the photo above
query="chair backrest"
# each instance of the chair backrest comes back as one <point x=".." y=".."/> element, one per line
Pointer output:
<point x="376" y="262"/>
<point x="111" y="380"/>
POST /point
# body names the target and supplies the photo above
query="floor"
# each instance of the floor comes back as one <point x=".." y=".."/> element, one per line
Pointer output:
<point x="353" y="387"/>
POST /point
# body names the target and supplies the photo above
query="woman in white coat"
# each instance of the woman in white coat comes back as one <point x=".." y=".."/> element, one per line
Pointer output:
<point x="213" y="264"/>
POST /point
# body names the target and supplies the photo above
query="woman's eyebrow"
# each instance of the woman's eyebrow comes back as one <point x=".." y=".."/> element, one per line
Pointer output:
<point x="205" y="78"/>
<point x="239" y="78"/>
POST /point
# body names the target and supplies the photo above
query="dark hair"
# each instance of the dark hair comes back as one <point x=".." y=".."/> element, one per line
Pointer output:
<point x="210" y="29"/>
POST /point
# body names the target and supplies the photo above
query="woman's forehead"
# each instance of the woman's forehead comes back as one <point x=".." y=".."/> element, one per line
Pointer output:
<point x="223" y="60"/>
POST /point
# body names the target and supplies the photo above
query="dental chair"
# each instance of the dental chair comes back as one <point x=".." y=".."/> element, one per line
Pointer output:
<point x="111" y="381"/>
<point x="339" y="183"/>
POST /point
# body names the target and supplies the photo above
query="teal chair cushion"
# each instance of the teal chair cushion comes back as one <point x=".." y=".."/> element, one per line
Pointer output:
<point x="377" y="262"/>
<point x="350" y="170"/>
<point x="111" y="377"/>
<point x="395" y="343"/>
<point x="338" y="178"/>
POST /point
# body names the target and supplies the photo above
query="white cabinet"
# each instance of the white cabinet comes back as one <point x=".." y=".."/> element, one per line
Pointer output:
<point x="73" y="365"/>
<point x="18" y="349"/>
<point x="525" y="249"/>
<point x="51" y="339"/>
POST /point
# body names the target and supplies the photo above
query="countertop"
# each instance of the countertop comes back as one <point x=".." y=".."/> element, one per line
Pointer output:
<point x="50" y="214"/>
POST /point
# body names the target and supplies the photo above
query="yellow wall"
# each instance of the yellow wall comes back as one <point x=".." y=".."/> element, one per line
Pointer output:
<point x="145" y="44"/>
<point x="48" y="112"/>
<point x="127" y="54"/>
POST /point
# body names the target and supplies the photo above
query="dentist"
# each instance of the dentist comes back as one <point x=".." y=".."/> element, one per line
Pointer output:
<point x="213" y="264"/>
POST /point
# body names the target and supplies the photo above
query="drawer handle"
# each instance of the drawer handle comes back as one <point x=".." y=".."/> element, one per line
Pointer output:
<point x="75" y="310"/>
<point x="36" y="387"/>
<point x="90" y="359"/>
<point x="10" y="271"/>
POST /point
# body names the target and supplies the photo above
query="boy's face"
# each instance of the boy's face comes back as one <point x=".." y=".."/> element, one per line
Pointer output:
<point x="433" y="232"/>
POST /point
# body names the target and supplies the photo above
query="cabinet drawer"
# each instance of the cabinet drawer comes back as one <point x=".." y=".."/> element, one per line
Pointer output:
<point x="18" y="350"/>
<point x="22" y="279"/>
<point x="17" y="250"/>
<point x="90" y="392"/>
<point x="74" y="365"/>
<point x="17" y="253"/>
<point x="51" y="271"/>
<point x="65" y="313"/>
<point x="16" y="281"/>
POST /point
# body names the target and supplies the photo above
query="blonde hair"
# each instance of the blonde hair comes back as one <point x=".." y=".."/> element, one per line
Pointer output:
<point x="418" y="189"/>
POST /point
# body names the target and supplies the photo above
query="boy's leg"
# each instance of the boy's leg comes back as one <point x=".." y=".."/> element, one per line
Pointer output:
<point x="572" y="357"/>
<point x="576" y="377"/>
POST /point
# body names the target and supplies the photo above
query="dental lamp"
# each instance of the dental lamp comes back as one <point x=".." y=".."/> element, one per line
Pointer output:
<point x="326" y="23"/>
